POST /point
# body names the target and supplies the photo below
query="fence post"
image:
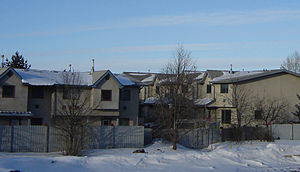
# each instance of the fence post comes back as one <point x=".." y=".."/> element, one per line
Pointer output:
<point x="113" y="136"/>
<point x="292" y="131"/>
<point x="12" y="139"/>
<point x="208" y="137"/>
<point x="47" y="138"/>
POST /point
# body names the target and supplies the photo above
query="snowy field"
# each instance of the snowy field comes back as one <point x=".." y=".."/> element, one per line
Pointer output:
<point x="281" y="155"/>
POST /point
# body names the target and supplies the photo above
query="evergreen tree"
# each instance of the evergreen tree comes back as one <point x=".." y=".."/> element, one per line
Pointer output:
<point x="17" y="61"/>
<point x="297" y="113"/>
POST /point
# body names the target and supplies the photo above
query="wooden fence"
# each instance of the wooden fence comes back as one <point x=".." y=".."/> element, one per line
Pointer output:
<point x="48" y="139"/>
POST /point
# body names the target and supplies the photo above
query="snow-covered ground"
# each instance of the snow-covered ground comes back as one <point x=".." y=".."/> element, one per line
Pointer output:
<point x="281" y="155"/>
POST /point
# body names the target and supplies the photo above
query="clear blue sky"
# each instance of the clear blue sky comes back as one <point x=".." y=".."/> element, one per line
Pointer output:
<point x="141" y="35"/>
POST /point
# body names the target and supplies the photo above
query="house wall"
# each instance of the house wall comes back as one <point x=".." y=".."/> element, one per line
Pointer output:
<point x="130" y="109"/>
<point x="283" y="87"/>
<point x="109" y="84"/>
<point x="19" y="102"/>
<point x="41" y="107"/>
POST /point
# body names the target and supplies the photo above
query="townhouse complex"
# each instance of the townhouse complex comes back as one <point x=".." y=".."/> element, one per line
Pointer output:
<point x="212" y="92"/>
<point x="35" y="97"/>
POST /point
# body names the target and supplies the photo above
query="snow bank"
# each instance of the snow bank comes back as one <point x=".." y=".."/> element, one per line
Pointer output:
<point x="246" y="156"/>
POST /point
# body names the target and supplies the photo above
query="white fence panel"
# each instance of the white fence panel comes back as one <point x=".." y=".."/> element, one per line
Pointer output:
<point x="286" y="131"/>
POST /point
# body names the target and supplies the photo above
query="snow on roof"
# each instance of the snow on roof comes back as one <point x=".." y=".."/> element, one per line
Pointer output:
<point x="204" y="101"/>
<point x="149" y="79"/>
<point x="138" y="74"/>
<point x="151" y="100"/>
<point x="227" y="75"/>
<point x="200" y="76"/>
<point x="15" y="113"/>
<point x="154" y="100"/>
<point x="47" y="78"/>
<point x="124" y="80"/>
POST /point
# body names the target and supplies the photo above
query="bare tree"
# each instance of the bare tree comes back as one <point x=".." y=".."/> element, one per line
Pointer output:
<point x="175" y="105"/>
<point x="292" y="62"/>
<point x="71" y="118"/>
<point x="271" y="110"/>
<point x="297" y="112"/>
<point x="241" y="99"/>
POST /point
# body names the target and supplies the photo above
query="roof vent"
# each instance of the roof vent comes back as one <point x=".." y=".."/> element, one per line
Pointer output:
<point x="2" y="61"/>
<point x="93" y="66"/>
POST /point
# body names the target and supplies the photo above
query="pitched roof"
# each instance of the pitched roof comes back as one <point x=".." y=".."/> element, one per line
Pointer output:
<point x="48" y="78"/>
<point x="204" y="102"/>
<point x="215" y="73"/>
<point x="249" y="75"/>
<point x="141" y="77"/>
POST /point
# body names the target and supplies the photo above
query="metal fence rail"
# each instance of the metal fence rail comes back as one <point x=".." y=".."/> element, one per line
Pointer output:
<point x="200" y="138"/>
<point x="49" y="139"/>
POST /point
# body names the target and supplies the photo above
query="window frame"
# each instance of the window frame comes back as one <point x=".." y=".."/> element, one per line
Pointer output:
<point x="224" y="90"/>
<point x="4" y="91"/>
<point x="125" y="119"/>
<point x="226" y="116"/>
<point x="208" y="88"/>
<point x="109" y="122"/>
<point x="104" y="99"/>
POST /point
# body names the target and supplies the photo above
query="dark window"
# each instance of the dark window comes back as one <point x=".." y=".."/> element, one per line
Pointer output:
<point x="125" y="95"/>
<point x="37" y="92"/>
<point x="106" y="122"/>
<point x="8" y="91"/>
<point x="9" y="74"/>
<point x="37" y="106"/>
<point x="37" y="121"/>
<point x="70" y="93"/>
<point x="124" y="121"/>
<point x="224" y="88"/>
<point x="208" y="88"/>
<point x="257" y="114"/>
<point x="106" y="95"/>
<point x="107" y="77"/>
<point x="226" y="116"/>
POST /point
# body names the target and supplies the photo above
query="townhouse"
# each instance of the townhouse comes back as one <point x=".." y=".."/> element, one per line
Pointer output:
<point x="35" y="97"/>
<point x="212" y="89"/>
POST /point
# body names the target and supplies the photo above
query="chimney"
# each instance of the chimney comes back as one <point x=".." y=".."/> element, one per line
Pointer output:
<point x="93" y="65"/>
<point x="70" y="67"/>
<point x="2" y="61"/>
<point x="230" y="68"/>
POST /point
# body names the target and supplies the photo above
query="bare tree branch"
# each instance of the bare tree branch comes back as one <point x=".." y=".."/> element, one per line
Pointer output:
<point x="292" y="62"/>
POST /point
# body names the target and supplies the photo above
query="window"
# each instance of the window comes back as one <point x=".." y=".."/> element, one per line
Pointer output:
<point x="257" y="114"/>
<point x="208" y="88"/>
<point x="125" y="95"/>
<point x="36" y="106"/>
<point x="37" y="92"/>
<point x="8" y="91"/>
<point x="124" y="121"/>
<point x="106" y="95"/>
<point x="106" y="122"/>
<point x="70" y="93"/>
<point x="226" y="116"/>
<point x="224" y="88"/>
<point x="36" y="121"/>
